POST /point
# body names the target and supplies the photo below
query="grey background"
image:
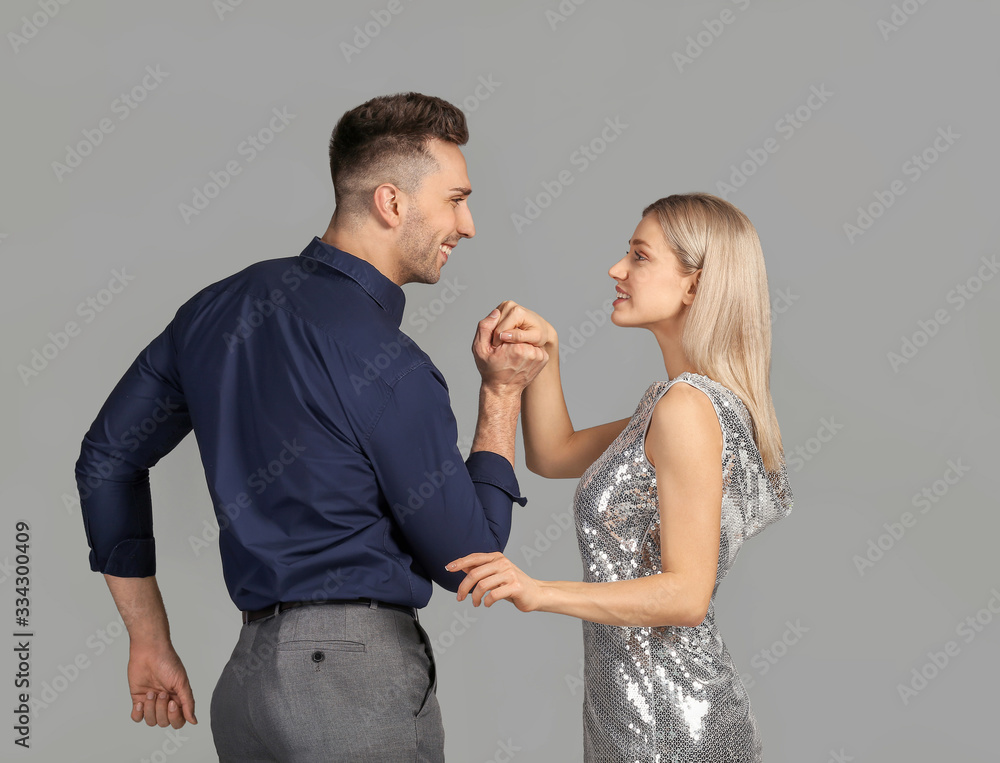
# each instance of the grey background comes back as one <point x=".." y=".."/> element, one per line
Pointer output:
<point x="509" y="679"/>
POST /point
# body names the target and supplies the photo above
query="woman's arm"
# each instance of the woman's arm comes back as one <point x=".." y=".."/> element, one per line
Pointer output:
<point x="552" y="448"/>
<point x="689" y="484"/>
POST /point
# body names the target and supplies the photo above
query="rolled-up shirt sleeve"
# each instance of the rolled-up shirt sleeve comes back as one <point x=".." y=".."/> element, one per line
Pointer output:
<point x="143" y="419"/>
<point x="445" y="507"/>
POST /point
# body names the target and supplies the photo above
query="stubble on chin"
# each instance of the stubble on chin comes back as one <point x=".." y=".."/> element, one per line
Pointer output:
<point x="419" y="258"/>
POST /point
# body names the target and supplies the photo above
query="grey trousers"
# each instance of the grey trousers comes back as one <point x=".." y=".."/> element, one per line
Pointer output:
<point x="330" y="683"/>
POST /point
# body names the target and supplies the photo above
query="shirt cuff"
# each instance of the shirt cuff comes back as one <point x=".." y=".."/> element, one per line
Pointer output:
<point x="133" y="558"/>
<point x="493" y="469"/>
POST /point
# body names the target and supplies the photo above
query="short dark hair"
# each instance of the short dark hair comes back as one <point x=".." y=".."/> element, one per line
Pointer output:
<point x="384" y="140"/>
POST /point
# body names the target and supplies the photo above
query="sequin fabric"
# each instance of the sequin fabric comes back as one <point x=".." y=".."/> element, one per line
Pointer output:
<point x="667" y="694"/>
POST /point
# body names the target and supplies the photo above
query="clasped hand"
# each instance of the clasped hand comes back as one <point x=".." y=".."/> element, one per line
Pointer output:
<point x="511" y="346"/>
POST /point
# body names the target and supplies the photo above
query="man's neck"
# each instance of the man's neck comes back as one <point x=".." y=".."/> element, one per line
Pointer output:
<point x="358" y="243"/>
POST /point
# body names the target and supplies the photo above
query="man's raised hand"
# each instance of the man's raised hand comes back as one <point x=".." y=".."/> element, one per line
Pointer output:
<point x="508" y="365"/>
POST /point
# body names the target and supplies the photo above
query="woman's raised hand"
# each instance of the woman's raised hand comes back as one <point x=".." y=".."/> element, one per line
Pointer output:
<point x="519" y="324"/>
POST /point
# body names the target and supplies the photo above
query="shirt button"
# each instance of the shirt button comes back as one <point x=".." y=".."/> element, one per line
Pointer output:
<point x="318" y="657"/>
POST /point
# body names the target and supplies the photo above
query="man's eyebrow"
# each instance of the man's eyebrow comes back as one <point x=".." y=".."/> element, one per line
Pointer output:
<point x="463" y="191"/>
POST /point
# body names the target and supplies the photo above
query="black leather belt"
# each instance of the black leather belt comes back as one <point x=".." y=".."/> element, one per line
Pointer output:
<point x="257" y="614"/>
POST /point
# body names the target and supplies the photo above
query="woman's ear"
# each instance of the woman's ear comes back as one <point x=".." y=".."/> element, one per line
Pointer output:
<point x="692" y="287"/>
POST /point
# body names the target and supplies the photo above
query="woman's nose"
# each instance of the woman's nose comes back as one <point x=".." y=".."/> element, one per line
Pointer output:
<point x="617" y="271"/>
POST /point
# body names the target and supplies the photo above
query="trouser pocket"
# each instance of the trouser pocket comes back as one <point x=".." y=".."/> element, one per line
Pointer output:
<point x="430" y="696"/>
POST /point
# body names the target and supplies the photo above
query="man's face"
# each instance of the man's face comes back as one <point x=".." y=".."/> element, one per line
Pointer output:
<point x="437" y="216"/>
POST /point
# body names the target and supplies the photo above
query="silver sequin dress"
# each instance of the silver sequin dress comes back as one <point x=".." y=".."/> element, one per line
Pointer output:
<point x="667" y="694"/>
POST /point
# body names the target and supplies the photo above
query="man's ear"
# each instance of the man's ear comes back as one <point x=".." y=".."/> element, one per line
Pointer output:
<point x="388" y="203"/>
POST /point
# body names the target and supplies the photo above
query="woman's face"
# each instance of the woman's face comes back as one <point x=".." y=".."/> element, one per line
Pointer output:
<point x="651" y="289"/>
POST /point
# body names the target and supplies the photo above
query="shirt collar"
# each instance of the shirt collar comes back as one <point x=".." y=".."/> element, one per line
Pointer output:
<point x="388" y="294"/>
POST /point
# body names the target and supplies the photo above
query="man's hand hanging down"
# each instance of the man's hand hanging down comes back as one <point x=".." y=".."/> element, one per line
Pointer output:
<point x="161" y="693"/>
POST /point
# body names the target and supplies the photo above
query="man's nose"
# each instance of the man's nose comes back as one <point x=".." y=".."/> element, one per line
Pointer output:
<point x="466" y="227"/>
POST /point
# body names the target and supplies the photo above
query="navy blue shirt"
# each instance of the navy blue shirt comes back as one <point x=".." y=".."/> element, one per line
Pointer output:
<point x="327" y="437"/>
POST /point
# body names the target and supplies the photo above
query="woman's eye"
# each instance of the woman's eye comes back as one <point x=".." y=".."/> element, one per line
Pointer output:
<point x="639" y="256"/>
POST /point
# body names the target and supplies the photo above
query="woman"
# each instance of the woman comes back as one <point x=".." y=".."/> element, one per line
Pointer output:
<point x="658" y="522"/>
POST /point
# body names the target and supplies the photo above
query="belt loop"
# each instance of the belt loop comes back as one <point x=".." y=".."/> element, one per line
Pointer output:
<point x="277" y="609"/>
<point x="374" y="604"/>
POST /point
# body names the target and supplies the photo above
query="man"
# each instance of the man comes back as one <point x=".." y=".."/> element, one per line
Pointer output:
<point x="329" y="448"/>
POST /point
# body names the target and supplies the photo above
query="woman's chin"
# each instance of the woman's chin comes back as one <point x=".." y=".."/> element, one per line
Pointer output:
<point x="618" y="319"/>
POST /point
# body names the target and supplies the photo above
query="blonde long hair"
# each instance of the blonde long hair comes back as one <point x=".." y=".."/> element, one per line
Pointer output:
<point x="727" y="336"/>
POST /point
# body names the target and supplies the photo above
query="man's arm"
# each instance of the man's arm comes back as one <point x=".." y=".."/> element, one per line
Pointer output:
<point x="144" y="418"/>
<point x="157" y="680"/>
<point x="444" y="507"/>
<point x="496" y="426"/>
<point x="505" y="375"/>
